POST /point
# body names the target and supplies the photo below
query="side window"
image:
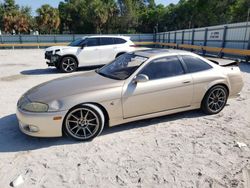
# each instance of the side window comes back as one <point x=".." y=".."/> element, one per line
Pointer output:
<point x="92" y="42"/>
<point x="163" y="67"/>
<point x="195" y="64"/>
<point x="120" y="41"/>
<point x="106" y="41"/>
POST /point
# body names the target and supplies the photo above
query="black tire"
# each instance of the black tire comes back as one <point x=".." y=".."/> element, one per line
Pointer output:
<point x="58" y="67"/>
<point x="84" y="122"/>
<point x="215" y="100"/>
<point x="68" y="64"/>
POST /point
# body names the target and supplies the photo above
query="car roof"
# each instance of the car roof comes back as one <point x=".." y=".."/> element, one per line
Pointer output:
<point x="112" y="36"/>
<point x="158" y="52"/>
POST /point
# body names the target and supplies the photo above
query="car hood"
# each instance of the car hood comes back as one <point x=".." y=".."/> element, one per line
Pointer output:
<point x="53" y="48"/>
<point x="66" y="86"/>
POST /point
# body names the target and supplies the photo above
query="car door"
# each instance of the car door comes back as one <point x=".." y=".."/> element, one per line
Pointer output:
<point x="89" y="54"/>
<point x="202" y="74"/>
<point x="107" y="49"/>
<point x="168" y="88"/>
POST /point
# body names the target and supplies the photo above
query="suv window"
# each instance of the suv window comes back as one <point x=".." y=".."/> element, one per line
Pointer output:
<point x="195" y="64"/>
<point x="77" y="42"/>
<point x="106" y="41"/>
<point x="93" y="42"/>
<point x="119" y="41"/>
<point x="163" y="67"/>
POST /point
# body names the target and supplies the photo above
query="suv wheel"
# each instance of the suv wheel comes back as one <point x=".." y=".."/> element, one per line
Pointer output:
<point x="68" y="64"/>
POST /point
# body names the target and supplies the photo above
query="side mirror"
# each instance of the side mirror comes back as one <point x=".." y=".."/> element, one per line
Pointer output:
<point x="140" y="78"/>
<point x="83" y="45"/>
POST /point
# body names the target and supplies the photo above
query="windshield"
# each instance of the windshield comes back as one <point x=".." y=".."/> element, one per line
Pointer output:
<point x="77" y="42"/>
<point x="122" y="67"/>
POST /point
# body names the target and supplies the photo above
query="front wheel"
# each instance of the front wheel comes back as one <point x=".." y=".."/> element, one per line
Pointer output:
<point x="68" y="65"/>
<point x="84" y="122"/>
<point x="214" y="100"/>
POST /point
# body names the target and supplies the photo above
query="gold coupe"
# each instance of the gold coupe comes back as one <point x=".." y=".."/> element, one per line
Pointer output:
<point x="135" y="86"/>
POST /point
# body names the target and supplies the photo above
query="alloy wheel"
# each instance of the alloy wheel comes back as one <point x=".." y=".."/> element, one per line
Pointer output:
<point x="82" y="123"/>
<point x="217" y="99"/>
<point x="68" y="65"/>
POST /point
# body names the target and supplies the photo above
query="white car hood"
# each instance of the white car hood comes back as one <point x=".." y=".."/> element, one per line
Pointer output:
<point x="53" y="48"/>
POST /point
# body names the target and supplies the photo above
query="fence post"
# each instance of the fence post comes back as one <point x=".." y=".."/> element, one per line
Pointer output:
<point x="175" y="37"/>
<point x="54" y="38"/>
<point x="37" y="40"/>
<point x="168" y="37"/>
<point x="192" y="40"/>
<point x="205" y="37"/>
<point x="20" y="39"/>
<point x="223" y="41"/>
<point x="248" y="47"/>
<point x="182" y="37"/>
<point x="224" y="36"/>
<point x="205" y="41"/>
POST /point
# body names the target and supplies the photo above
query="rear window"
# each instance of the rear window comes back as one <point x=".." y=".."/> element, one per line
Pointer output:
<point x="120" y="41"/>
<point x="195" y="64"/>
<point x="106" y="41"/>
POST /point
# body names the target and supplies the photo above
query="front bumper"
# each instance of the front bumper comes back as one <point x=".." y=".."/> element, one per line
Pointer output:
<point x="53" y="60"/>
<point x="43" y="124"/>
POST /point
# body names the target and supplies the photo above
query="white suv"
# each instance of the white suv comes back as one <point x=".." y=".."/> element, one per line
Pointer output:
<point x="88" y="51"/>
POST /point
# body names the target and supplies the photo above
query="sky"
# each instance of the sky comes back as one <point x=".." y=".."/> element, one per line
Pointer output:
<point x="34" y="4"/>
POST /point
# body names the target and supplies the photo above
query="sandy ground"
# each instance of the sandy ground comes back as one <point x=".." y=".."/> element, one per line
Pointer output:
<point x="183" y="150"/>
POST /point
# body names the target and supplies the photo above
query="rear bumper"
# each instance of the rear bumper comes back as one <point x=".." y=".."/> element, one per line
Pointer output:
<point x="43" y="124"/>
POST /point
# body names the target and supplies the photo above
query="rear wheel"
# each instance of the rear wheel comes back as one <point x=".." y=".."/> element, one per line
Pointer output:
<point x="84" y="122"/>
<point x="214" y="100"/>
<point x="68" y="64"/>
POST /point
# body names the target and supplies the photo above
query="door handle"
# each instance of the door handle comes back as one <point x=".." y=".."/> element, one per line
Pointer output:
<point x="186" y="82"/>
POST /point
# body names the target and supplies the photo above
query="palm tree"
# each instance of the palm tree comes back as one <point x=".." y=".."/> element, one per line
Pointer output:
<point x="17" y="21"/>
<point x="48" y="19"/>
<point x="100" y="11"/>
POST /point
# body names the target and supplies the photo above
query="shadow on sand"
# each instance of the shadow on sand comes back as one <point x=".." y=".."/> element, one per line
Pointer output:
<point x="54" y="70"/>
<point x="13" y="140"/>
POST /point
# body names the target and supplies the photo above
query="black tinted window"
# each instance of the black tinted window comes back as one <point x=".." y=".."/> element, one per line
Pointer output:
<point x="163" y="67"/>
<point x="106" y="41"/>
<point x="195" y="64"/>
<point x="120" y="41"/>
<point x="92" y="42"/>
<point x="77" y="42"/>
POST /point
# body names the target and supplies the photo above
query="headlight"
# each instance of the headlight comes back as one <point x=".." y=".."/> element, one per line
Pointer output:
<point x="35" y="107"/>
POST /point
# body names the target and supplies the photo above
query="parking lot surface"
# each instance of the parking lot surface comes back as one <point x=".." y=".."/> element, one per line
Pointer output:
<point x="188" y="149"/>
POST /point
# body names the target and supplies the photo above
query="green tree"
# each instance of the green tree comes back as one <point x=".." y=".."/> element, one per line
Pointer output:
<point x="92" y="16"/>
<point x="15" y="18"/>
<point x="48" y="19"/>
<point x="239" y="11"/>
